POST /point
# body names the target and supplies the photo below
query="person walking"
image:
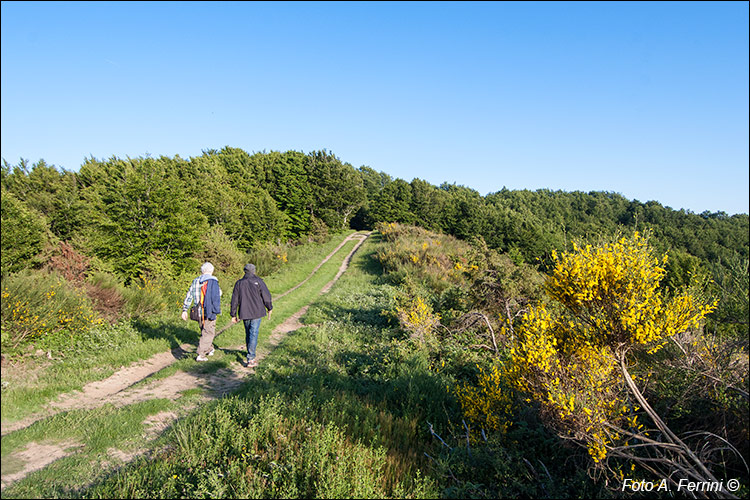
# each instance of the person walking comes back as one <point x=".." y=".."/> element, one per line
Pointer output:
<point x="251" y="300"/>
<point x="206" y="293"/>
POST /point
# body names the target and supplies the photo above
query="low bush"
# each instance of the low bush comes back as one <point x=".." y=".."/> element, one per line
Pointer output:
<point x="36" y="305"/>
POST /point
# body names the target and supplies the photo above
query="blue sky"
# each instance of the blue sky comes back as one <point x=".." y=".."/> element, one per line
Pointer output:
<point x="649" y="100"/>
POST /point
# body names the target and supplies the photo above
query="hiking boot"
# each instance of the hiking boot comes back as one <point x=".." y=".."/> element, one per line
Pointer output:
<point x="201" y="358"/>
<point x="212" y="352"/>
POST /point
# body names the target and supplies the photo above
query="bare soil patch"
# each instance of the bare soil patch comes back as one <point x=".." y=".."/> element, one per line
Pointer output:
<point x="34" y="457"/>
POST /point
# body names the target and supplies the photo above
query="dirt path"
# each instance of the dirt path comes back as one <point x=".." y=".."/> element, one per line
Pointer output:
<point x="124" y="387"/>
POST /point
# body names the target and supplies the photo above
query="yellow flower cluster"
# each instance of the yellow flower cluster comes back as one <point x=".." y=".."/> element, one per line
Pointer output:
<point x="564" y="357"/>
<point x="418" y="318"/>
<point x="147" y="284"/>
<point x="389" y="231"/>
<point x="45" y="312"/>
<point x="486" y="405"/>
<point x="615" y="290"/>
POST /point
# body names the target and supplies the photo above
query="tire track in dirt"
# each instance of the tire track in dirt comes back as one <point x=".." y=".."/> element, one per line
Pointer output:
<point x="119" y="390"/>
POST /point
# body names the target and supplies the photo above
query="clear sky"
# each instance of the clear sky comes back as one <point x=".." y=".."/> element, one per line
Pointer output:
<point x="649" y="100"/>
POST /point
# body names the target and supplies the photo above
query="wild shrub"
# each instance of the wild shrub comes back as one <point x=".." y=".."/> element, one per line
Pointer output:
<point x="85" y="344"/>
<point x="220" y="250"/>
<point x="37" y="304"/>
<point x="268" y="257"/>
<point x="107" y="295"/>
<point x="574" y="357"/>
<point x="487" y="404"/>
<point x="72" y="265"/>
<point x="145" y="297"/>
<point x="319" y="232"/>
<point x="418" y="319"/>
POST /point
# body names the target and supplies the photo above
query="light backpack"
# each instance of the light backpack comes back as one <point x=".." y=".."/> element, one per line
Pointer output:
<point x="198" y="311"/>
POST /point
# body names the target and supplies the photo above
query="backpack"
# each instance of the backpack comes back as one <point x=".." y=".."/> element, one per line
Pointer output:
<point x="197" y="312"/>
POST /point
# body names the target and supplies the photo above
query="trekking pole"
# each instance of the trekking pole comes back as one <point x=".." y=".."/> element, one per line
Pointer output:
<point x="225" y="328"/>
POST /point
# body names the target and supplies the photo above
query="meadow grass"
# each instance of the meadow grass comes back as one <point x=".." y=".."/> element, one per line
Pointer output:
<point x="338" y="410"/>
<point x="97" y="441"/>
<point x="302" y="261"/>
<point x="104" y="349"/>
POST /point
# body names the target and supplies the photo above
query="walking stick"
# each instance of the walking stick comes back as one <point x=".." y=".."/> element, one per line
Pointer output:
<point x="225" y="328"/>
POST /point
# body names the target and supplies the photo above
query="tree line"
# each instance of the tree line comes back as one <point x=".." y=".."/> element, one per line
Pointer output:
<point x="141" y="215"/>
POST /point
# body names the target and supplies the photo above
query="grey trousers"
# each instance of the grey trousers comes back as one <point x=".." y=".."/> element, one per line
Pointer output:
<point x="207" y="337"/>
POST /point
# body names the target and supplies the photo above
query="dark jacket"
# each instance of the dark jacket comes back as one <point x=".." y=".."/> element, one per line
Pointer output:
<point x="250" y="298"/>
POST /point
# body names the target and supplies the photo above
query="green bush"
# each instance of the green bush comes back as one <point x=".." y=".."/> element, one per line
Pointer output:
<point x="220" y="250"/>
<point x="84" y="344"/>
<point x="145" y="297"/>
<point x="268" y="257"/>
<point x="36" y="305"/>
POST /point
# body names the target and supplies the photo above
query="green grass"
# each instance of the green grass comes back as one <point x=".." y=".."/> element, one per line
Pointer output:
<point x="302" y="261"/>
<point x="90" y="436"/>
<point x="328" y="413"/>
<point x="108" y="348"/>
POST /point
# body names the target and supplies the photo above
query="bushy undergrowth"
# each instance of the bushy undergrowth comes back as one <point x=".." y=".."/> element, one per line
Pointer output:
<point x="263" y="448"/>
<point x="42" y="309"/>
<point x="39" y="305"/>
<point x="479" y="340"/>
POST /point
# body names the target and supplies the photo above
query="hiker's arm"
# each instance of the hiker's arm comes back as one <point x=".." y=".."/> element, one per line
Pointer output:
<point x="234" y="303"/>
<point x="188" y="300"/>
<point x="265" y="294"/>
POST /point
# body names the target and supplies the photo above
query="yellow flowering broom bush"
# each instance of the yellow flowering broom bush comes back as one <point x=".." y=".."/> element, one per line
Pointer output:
<point x="38" y="305"/>
<point x="487" y="404"/>
<point x="418" y="319"/>
<point x="571" y="356"/>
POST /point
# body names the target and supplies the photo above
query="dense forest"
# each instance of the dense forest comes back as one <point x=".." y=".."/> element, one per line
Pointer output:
<point x="155" y="218"/>
<point x="155" y="215"/>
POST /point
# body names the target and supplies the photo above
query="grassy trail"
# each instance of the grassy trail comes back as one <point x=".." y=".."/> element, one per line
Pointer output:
<point x="338" y="410"/>
<point x="156" y="392"/>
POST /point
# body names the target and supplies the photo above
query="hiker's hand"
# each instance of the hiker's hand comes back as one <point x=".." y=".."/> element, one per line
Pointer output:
<point x="269" y="314"/>
<point x="184" y="315"/>
<point x="234" y="320"/>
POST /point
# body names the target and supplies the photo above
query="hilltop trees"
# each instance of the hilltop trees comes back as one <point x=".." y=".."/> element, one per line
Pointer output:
<point x="145" y="214"/>
<point x="265" y="197"/>
<point x="337" y="190"/>
<point x="24" y="233"/>
<point x="137" y="214"/>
